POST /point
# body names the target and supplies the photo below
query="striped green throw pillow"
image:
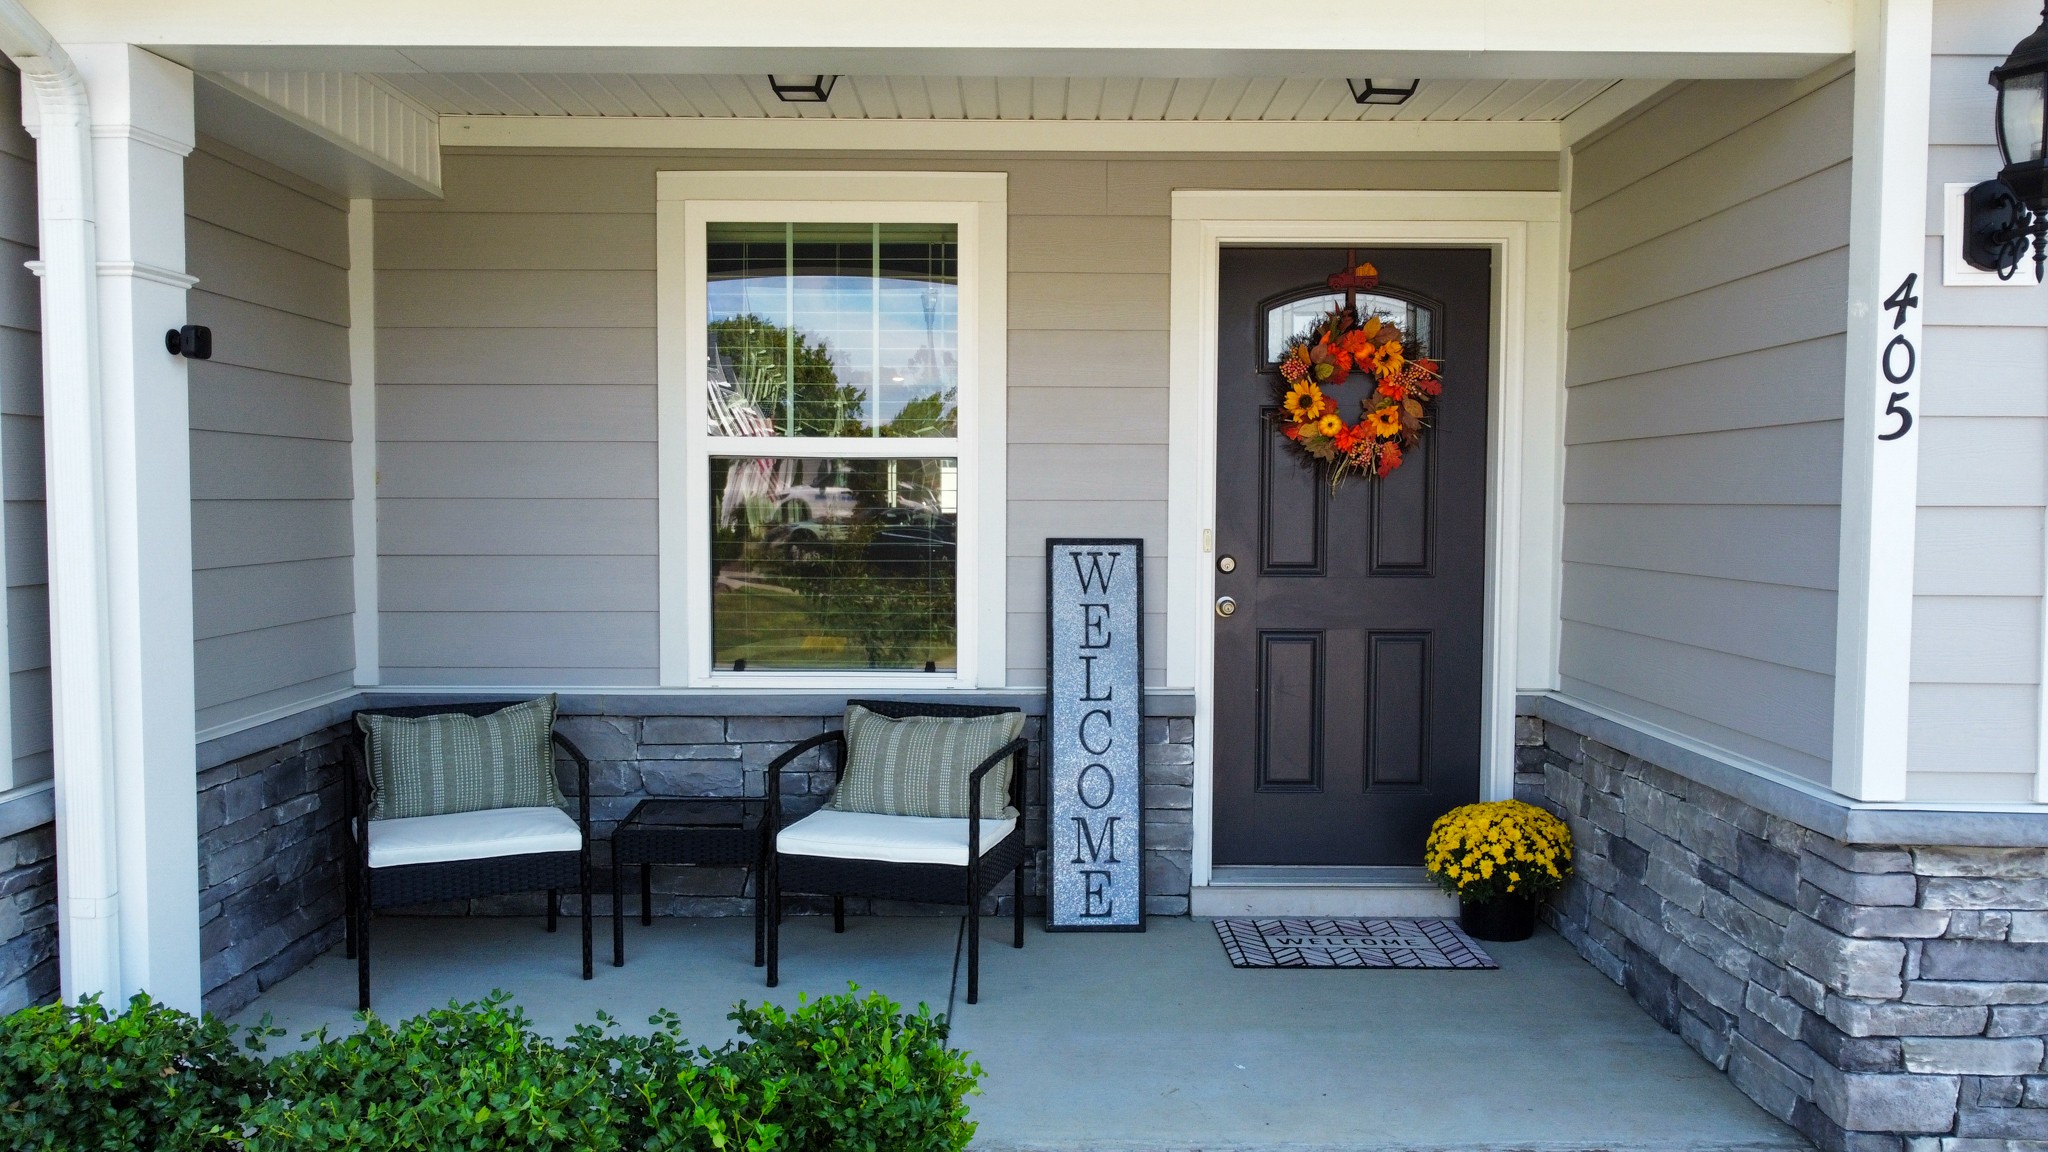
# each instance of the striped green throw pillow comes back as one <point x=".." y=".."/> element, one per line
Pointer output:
<point x="435" y="765"/>
<point x="919" y="766"/>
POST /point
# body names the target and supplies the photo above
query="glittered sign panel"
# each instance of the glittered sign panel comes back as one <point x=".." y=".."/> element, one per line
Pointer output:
<point x="1095" y="855"/>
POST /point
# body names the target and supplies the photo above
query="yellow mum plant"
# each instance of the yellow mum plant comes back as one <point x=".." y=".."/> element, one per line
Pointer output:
<point x="1483" y="852"/>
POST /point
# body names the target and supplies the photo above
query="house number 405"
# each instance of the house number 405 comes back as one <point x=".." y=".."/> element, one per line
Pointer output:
<point x="1900" y="359"/>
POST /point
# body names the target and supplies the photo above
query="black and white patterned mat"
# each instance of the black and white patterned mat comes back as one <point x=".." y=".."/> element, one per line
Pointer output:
<point x="1317" y="943"/>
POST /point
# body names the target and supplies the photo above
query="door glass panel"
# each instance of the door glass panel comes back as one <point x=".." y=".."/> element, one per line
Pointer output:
<point x="833" y="564"/>
<point x="1291" y="318"/>
<point x="832" y="329"/>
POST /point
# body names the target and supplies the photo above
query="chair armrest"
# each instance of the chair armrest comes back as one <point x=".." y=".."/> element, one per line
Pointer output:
<point x="789" y="755"/>
<point x="1013" y="748"/>
<point x="582" y="784"/>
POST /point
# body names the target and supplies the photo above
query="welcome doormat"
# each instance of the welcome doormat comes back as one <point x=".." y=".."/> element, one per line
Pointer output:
<point x="1313" y="943"/>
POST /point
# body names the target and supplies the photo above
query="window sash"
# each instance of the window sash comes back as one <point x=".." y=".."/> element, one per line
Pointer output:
<point x="975" y="204"/>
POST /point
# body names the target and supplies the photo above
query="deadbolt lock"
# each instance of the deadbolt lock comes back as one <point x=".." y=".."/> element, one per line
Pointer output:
<point x="1226" y="605"/>
<point x="1226" y="563"/>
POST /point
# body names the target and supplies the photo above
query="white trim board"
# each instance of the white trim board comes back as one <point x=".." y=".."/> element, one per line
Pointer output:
<point x="1524" y="497"/>
<point x="978" y="204"/>
<point x="781" y="133"/>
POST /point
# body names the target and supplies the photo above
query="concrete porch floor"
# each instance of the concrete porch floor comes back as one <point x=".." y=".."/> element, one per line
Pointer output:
<point x="1137" y="1043"/>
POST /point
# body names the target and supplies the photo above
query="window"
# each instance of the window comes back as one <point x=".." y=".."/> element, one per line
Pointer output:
<point x="830" y="380"/>
<point x="1290" y="318"/>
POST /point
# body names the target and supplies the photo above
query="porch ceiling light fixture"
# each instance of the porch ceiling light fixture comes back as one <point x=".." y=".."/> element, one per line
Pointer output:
<point x="2000" y="216"/>
<point x="1375" y="92"/>
<point x="802" y="89"/>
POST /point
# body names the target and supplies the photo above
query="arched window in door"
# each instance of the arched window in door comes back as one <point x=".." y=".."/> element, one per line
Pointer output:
<point x="1292" y="315"/>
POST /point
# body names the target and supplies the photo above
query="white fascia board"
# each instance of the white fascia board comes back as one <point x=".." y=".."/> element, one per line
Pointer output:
<point x="782" y="134"/>
<point x="1196" y="28"/>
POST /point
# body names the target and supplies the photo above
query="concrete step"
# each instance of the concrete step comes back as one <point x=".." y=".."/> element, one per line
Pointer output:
<point x="1266" y="890"/>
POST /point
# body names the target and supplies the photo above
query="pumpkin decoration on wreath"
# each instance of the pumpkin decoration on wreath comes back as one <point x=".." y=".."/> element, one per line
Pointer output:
<point x="1391" y="416"/>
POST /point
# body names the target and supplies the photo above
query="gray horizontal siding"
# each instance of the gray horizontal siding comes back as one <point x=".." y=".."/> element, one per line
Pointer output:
<point x="516" y="355"/>
<point x="272" y="592"/>
<point x="1703" y="458"/>
<point x="1973" y="720"/>
<point x="27" y="600"/>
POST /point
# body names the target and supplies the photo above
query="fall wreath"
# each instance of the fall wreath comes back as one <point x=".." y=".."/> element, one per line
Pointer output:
<point x="1391" y="416"/>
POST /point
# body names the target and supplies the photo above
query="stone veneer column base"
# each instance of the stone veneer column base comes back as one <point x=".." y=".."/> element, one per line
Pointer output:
<point x="1890" y="998"/>
<point x="28" y="918"/>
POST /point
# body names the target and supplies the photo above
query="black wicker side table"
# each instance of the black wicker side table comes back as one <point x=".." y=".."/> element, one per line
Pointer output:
<point x="688" y="831"/>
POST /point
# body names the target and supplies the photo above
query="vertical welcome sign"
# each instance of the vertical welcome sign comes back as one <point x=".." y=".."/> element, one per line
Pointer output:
<point x="1094" y="664"/>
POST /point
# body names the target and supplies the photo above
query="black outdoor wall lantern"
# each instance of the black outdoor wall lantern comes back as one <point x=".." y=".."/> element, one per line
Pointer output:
<point x="2001" y="216"/>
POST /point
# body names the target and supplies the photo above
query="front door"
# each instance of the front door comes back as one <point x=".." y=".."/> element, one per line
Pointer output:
<point x="1348" y="688"/>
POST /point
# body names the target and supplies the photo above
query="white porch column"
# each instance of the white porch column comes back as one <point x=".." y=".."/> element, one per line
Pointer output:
<point x="142" y="129"/>
<point x="1880" y="425"/>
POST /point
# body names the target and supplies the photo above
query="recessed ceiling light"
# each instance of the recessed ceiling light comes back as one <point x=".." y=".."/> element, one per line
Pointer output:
<point x="1382" y="92"/>
<point x="802" y="89"/>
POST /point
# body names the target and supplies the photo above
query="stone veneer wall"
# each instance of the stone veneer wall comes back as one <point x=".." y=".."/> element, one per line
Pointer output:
<point x="271" y="836"/>
<point x="28" y="918"/>
<point x="270" y="849"/>
<point x="1892" y="998"/>
<point x="635" y="757"/>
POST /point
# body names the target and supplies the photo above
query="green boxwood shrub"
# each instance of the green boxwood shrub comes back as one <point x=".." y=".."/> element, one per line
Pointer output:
<point x="846" y="1073"/>
<point x="76" y="1078"/>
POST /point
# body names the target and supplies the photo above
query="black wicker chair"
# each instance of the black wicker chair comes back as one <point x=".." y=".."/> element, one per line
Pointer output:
<point x="840" y="877"/>
<point x="386" y="887"/>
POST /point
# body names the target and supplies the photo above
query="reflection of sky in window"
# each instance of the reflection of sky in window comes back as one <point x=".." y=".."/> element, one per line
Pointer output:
<point x="881" y="300"/>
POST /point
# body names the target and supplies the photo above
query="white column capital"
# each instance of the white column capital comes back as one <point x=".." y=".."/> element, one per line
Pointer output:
<point x="135" y="95"/>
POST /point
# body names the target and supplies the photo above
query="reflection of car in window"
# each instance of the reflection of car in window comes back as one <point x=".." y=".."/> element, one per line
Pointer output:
<point x="907" y="537"/>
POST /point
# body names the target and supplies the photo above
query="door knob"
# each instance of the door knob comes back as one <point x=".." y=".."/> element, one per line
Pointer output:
<point x="1226" y="605"/>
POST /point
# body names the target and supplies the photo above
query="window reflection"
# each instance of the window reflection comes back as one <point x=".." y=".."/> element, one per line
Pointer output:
<point x="833" y="564"/>
<point x="832" y="329"/>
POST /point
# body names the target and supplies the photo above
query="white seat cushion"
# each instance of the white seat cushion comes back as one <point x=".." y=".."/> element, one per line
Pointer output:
<point x="472" y="836"/>
<point x="895" y="839"/>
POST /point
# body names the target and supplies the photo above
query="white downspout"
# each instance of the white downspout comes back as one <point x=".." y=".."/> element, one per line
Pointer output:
<point x="81" y="684"/>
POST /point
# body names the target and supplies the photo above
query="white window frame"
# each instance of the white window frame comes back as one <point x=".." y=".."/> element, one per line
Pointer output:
<point x="685" y="203"/>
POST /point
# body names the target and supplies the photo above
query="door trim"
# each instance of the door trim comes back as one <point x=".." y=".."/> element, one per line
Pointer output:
<point x="1525" y="447"/>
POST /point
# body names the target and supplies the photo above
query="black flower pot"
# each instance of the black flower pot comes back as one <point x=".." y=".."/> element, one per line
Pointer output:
<point x="1506" y="919"/>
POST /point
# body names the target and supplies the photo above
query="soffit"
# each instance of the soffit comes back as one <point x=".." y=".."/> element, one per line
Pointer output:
<point x="1068" y="98"/>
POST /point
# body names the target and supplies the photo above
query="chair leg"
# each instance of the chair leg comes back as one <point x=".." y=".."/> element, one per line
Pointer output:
<point x="362" y="916"/>
<point x="1017" y="908"/>
<point x="348" y="904"/>
<point x="974" y="952"/>
<point x="839" y="913"/>
<point x="773" y="891"/>
<point x="760" y="927"/>
<point x="554" y="906"/>
<point x="760" y="912"/>
<point x="646" y="895"/>
<point x="618" y="916"/>
<point x="585" y="896"/>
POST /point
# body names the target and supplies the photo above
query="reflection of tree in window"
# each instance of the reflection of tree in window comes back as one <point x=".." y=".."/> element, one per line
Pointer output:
<point x="833" y="563"/>
<point x="832" y="329"/>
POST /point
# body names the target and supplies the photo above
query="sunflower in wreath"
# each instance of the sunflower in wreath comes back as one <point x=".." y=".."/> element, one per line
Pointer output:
<point x="1391" y="416"/>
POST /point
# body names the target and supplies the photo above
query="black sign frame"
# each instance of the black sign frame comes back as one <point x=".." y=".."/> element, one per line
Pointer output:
<point x="1057" y="807"/>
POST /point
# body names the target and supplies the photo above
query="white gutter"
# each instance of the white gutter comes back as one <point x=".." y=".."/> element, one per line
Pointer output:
<point x="81" y="685"/>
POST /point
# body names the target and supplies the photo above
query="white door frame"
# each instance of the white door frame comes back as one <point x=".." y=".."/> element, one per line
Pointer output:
<point x="1525" y="451"/>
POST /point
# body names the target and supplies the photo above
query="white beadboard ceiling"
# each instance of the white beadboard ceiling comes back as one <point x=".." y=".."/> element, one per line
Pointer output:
<point x="1294" y="99"/>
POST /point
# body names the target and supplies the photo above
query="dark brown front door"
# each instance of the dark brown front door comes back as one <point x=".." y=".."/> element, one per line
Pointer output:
<point x="1348" y="679"/>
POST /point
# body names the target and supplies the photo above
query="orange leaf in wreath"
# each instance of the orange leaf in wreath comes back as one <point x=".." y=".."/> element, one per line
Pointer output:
<point x="1412" y="407"/>
<point x="1390" y="458"/>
